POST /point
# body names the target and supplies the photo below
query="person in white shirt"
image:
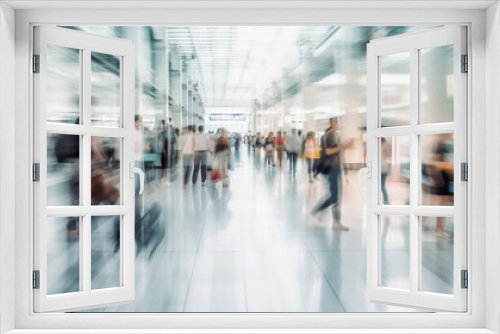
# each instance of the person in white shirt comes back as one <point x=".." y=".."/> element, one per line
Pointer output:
<point x="202" y="145"/>
<point x="293" y="147"/>
<point x="187" y="152"/>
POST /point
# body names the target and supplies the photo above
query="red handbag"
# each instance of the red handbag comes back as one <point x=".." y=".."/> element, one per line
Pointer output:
<point x="215" y="175"/>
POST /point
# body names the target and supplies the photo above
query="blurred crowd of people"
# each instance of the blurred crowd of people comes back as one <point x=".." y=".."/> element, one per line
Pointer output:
<point x="322" y="154"/>
<point x="196" y="157"/>
<point x="197" y="154"/>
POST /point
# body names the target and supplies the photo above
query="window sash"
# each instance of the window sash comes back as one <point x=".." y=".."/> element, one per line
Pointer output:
<point x="86" y="297"/>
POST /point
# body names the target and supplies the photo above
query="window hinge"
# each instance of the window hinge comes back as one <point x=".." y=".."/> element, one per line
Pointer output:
<point x="465" y="64"/>
<point x="464" y="167"/>
<point x="36" y="279"/>
<point x="465" y="279"/>
<point x="36" y="63"/>
<point x="36" y="172"/>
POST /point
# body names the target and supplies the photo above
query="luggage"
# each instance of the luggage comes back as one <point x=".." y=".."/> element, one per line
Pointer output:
<point x="149" y="229"/>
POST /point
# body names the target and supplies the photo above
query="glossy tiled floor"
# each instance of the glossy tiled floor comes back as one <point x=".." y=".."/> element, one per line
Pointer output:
<point x="253" y="247"/>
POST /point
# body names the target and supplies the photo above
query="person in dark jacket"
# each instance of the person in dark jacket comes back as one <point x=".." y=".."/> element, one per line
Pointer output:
<point x="331" y="149"/>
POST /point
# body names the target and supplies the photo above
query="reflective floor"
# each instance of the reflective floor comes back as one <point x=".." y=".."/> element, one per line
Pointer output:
<point x="253" y="247"/>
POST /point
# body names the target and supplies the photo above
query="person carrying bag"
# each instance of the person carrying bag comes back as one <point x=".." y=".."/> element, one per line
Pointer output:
<point x="330" y="164"/>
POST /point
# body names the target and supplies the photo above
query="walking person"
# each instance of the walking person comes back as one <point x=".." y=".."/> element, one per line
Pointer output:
<point x="249" y="142"/>
<point x="279" y="144"/>
<point x="237" y="141"/>
<point x="167" y="151"/>
<point x="269" y="148"/>
<point x="301" y="151"/>
<point x="202" y="146"/>
<point x="311" y="153"/>
<point x="292" y="148"/>
<point x="177" y="148"/>
<point x="331" y="149"/>
<point x="285" y="149"/>
<point x="257" y="142"/>
<point x="222" y="153"/>
<point x="187" y="152"/>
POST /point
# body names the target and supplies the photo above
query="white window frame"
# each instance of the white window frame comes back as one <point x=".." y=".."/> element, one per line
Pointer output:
<point x="25" y="20"/>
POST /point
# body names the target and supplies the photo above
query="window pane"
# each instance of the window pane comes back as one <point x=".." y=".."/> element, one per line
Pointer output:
<point x="105" y="186"/>
<point x="395" y="170"/>
<point x="394" y="233"/>
<point x="105" y="252"/>
<point x="63" y="255"/>
<point x="106" y="90"/>
<point x="63" y="170"/>
<point x="63" y="84"/>
<point x="437" y="84"/>
<point x="437" y="254"/>
<point x="395" y="89"/>
<point x="437" y="169"/>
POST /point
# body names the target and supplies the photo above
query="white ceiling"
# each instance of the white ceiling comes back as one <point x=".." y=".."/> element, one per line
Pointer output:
<point x="256" y="4"/>
<point x="233" y="65"/>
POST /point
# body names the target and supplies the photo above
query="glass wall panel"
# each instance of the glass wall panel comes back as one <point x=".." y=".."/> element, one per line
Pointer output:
<point x="63" y="84"/>
<point x="437" y="169"/>
<point x="63" y="255"/>
<point x="437" y="249"/>
<point x="63" y="170"/>
<point x="105" y="184"/>
<point x="395" y="170"/>
<point x="395" y="89"/>
<point x="394" y="233"/>
<point x="105" y="247"/>
<point x="106" y="90"/>
<point x="437" y="82"/>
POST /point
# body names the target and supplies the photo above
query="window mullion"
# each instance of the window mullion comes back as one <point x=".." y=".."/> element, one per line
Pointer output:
<point x="85" y="244"/>
<point x="85" y="251"/>
<point x="86" y="105"/>
<point x="414" y="177"/>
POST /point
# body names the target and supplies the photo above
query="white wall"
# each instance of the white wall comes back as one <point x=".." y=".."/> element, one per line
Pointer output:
<point x="7" y="121"/>
<point x="492" y="166"/>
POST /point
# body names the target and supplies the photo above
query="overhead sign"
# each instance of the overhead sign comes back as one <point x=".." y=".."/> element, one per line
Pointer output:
<point x="227" y="117"/>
